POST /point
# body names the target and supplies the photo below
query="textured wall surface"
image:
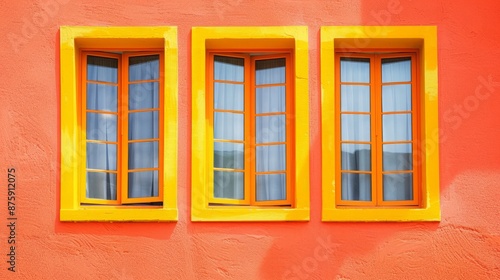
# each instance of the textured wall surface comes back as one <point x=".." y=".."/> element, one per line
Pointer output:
<point x="464" y="245"/>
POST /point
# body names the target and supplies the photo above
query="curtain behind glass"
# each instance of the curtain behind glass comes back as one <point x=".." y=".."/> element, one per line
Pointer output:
<point x="397" y="176"/>
<point x="270" y="125"/>
<point x="101" y="127"/>
<point x="355" y="127"/>
<point x="397" y="129"/>
<point x="143" y="126"/>
<point x="229" y="127"/>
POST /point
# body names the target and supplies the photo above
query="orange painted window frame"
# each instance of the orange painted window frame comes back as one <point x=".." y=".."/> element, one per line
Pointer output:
<point x="250" y="125"/>
<point x="375" y="56"/>
<point x="122" y="119"/>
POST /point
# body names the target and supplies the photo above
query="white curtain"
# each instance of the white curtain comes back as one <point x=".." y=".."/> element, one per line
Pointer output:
<point x="355" y="128"/>
<point x="396" y="127"/>
<point x="102" y="96"/>
<point x="270" y="75"/>
<point x="143" y="125"/>
<point x="355" y="120"/>
<point x="229" y="126"/>
<point x="270" y="154"/>
<point x="102" y="78"/>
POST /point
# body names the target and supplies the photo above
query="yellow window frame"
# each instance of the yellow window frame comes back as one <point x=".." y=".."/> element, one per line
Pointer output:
<point x="72" y="40"/>
<point x="236" y="39"/>
<point x="359" y="39"/>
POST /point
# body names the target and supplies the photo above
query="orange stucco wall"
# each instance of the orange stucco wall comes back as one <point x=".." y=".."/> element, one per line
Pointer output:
<point x="464" y="245"/>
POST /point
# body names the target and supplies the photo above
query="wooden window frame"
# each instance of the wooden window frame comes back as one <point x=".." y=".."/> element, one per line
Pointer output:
<point x="248" y="40"/>
<point x="250" y="124"/>
<point x="363" y="39"/>
<point x="74" y="40"/>
<point x="122" y="142"/>
<point x="376" y="56"/>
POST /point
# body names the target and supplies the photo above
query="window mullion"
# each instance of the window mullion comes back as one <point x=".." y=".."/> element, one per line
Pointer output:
<point x="415" y="108"/>
<point x="376" y="96"/>
<point x="338" y="130"/>
<point x="290" y="131"/>
<point x="83" y="106"/>
<point x="210" y="131"/>
<point x="250" y="130"/>
<point x="122" y="192"/>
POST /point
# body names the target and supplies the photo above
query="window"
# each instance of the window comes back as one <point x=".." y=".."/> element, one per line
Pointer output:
<point x="122" y="116"/>
<point x="378" y="132"/>
<point x="249" y="107"/>
<point x="379" y="124"/>
<point x="251" y="117"/>
<point x="118" y="140"/>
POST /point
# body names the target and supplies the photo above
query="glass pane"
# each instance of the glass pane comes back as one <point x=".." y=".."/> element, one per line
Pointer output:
<point x="101" y="156"/>
<point x="143" y="155"/>
<point x="355" y="127"/>
<point x="228" y="155"/>
<point x="143" y="184"/>
<point x="271" y="187"/>
<point x="356" y="157"/>
<point x="271" y="158"/>
<point x="397" y="157"/>
<point x="143" y="96"/>
<point x="228" y="126"/>
<point x="396" y="127"/>
<point x="143" y="125"/>
<point x="101" y="127"/>
<point x="102" y="97"/>
<point x="229" y="185"/>
<point x="354" y="98"/>
<point x="270" y="71"/>
<point x="228" y="97"/>
<point x="355" y="70"/>
<point x="396" y="70"/>
<point x="144" y="68"/>
<point x="356" y="187"/>
<point x="102" y="69"/>
<point x="396" y="98"/>
<point x="270" y="99"/>
<point x="271" y="129"/>
<point x="398" y="186"/>
<point x="228" y="69"/>
<point x="101" y="185"/>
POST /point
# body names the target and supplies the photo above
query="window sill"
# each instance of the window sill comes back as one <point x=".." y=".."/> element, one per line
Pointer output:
<point x="249" y="213"/>
<point x="118" y="214"/>
<point x="382" y="214"/>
